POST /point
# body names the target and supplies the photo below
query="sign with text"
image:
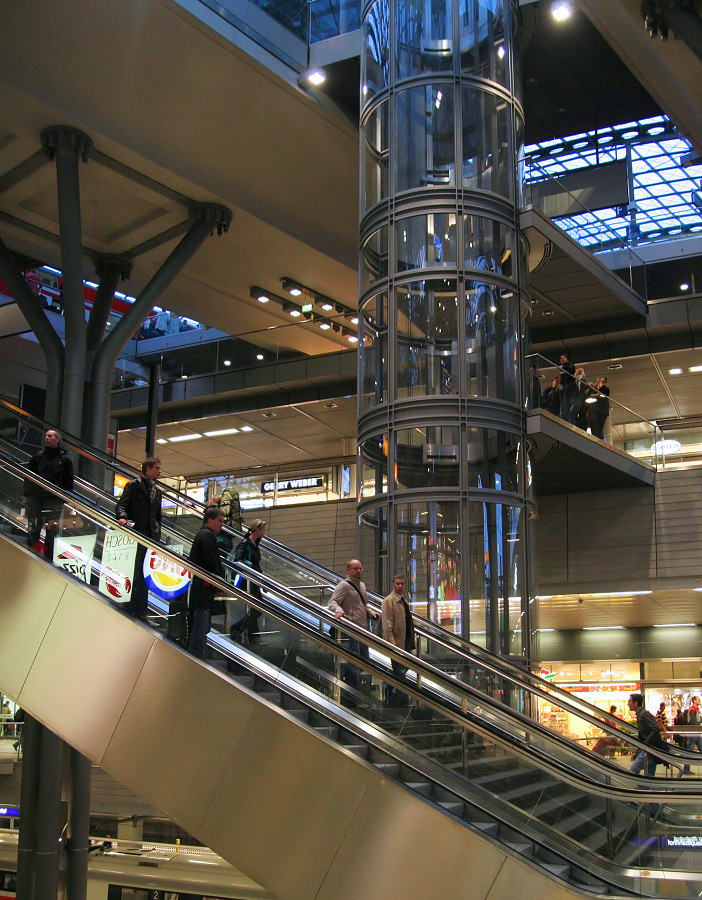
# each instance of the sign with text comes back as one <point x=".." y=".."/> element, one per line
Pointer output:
<point x="117" y="570"/>
<point x="295" y="484"/>
<point x="75" y="555"/>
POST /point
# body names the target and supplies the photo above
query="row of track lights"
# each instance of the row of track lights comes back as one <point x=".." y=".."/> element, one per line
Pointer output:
<point x="310" y="311"/>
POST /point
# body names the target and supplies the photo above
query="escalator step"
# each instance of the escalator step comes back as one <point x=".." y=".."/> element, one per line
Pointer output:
<point x="420" y="787"/>
<point x="361" y="750"/>
<point x="245" y="680"/>
<point x="328" y="731"/>
<point x="491" y="828"/>
<point x="523" y="848"/>
<point x="455" y="807"/>
<point x="391" y="769"/>
<point x="560" y="870"/>
<point x="585" y="882"/>
<point x="274" y="697"/>
<point x="303" y="715"/>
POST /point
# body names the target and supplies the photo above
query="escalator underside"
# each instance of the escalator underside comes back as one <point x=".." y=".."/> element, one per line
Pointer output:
<point x="297" y="812"/>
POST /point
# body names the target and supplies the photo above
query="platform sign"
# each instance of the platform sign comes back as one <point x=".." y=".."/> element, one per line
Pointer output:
<point x="164" y="577"/>
<point x="75" y="555"/>
<point x="117" y="569"/>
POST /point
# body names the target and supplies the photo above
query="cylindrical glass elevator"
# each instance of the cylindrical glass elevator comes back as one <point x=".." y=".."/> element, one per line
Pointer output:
<point x="443" y="472"/>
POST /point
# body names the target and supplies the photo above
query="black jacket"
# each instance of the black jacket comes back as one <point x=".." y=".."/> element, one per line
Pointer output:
<point x="649" y="729"/>
<point x="54" y="465"/>
<point x="205" y="554"/>
<point x="136" y="505"/>
<point x="249" y="553"/>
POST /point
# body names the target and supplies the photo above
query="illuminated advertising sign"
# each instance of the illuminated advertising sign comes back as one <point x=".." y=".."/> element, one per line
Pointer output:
<point x="295" y="484"/>
<point x="164" y="577"/>
<point x="117" y="569"/>
<point x="74" y="555"/>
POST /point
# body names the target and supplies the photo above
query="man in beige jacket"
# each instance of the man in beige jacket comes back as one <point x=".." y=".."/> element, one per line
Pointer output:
<point x="350" y="601"/>
<point x="398" y="628"/>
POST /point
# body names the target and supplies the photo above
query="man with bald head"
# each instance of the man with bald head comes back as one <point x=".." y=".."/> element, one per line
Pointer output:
<point x="350" y="601"/>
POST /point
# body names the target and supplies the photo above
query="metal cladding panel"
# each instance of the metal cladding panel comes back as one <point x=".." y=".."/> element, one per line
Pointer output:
<point x="290" y="796"/>
<point x="299" y="814"/>
<point x="85" y="669"/>
<point x="195" y="719"/>
<point x="28" y="600"/>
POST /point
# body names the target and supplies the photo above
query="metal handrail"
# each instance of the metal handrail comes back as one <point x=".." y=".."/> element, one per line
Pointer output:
<point x="573" y="777"/>
<point x="430" y="631"/>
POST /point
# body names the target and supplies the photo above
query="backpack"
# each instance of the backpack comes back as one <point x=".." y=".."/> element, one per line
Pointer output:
<point x="177" y="627"/>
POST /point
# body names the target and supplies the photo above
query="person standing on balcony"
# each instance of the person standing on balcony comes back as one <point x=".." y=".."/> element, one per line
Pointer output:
<point x="569" y="389"/>
<point x="599" y="410"/>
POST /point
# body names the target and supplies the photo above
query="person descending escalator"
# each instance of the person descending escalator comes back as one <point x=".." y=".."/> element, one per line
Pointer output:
<point x="249" y="553"/>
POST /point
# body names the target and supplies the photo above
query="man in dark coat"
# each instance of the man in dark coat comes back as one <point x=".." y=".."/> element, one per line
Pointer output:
<point x="649" y="734"/>
<point x="569" y="388"/>
<point x="205" y="554"/>
<point x="599" y="410"/>
<point x="54" y="465"/>
<point x="140" y="507"/>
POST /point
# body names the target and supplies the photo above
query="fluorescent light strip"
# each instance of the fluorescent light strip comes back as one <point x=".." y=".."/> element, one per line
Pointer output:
<point x="221" y="432"/>
<point x="184" y="437"/>
<point x="678" y="625"/>
<point x="604" y="628"/>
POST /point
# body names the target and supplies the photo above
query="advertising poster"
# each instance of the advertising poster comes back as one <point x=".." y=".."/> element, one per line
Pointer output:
<point x="165" y="578"/>
<point x="75" y="555"/>
<point x="117" y="571"/>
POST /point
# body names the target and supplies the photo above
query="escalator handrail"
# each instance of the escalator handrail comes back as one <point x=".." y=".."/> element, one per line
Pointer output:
<point x="572" y="776"/>
<point x="496" y="664"/>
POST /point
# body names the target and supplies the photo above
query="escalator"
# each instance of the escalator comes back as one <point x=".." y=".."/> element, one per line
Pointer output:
<point x="317" y="785"/>
<point x="20" y="436"/>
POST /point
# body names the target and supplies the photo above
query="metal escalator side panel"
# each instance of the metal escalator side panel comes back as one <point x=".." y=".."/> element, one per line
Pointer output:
<point x="298" y="814"/>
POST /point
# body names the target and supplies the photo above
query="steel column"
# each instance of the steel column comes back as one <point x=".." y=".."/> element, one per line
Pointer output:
<point x="48" y="816"/>
<point x="67" y="146"/>
<point x="79" y="819"/>
<point x="152" y="408"/>
<point x="209" y="217"/>
<point x="110" y="269"/>
<point x="27" y="843"/>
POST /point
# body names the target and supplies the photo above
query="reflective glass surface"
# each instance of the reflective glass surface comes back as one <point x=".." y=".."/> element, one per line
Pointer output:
<point x="424" y="138"/>
<point x="375" y="257"/>
<point x="482" y="37"/>
<point x="427" y="456"/>
<point x="374" y="178"/>
<point x="489" y="245"/>
<point x="373" y="457"/>
<point x="423" y="37"/>
<point x="492" y="345"/>
<point x="426" y="240"/>
<point x="427" y="338"/>
<point x="492" y="459"/>
<point x="485" y="137"/>
<point x="375" y="55"/>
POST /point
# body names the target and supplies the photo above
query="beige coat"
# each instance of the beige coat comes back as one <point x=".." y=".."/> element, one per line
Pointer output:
<point x="345" y="598"/>
<point x="394" y="622"/>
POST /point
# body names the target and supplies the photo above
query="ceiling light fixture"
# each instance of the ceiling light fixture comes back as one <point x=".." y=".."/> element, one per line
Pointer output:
<point x="263" y="299"/>
<point x="316" y="77"/>
<point x="221" y="432"/>
<point x="561" y="10"/>
<point x="292" y="287"/>
<point x="352" y="339"/>
<point x="354" y="321"/>
<point x="246" y="428"/>
<point x="327" y="306"/>
<point x="677" y="625"/>
<point x="684" y="286"/>
<point x="259" y="356"/>
<point x="180" y="438"/>
<point x="675" y="371"/>
<point x="603" y="628"/>
<point x="161" y="441"/>
<point x="325" y="326"/>
<point x="694" y="369"/>
<point x="227" y="362"/>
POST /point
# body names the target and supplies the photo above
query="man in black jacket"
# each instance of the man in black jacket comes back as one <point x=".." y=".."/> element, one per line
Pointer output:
<point x="54" y="465"/>
<point x="205" y="554"/>
<point x="569" y="388"/>
<point x="140" y="507"/>
<point x="649" y="734"/>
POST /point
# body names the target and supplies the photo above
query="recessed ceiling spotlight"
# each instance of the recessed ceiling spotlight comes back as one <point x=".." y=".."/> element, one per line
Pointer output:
<point x="675" y="371"/>
<point x="161" y="441"/>
<point x="561" y="10"/>
<point x="316" y="77"/>
<point x="352" y="339"/>
<point x="684" y="286"/>
<point x="221" y="432"/>
<point x="325" y="326"/>
<point x="184" y="376"/>
<point x="259" y="356"/>
<point x="548" y="312"/>
<point x="262" y="298"/>
<point x="331" y="405"/>
<point x="501" y="51"/>
<point x="354" y="321"/>
<point x="695" y="369"/>
<point x="269" y="414"/>
<point x="614" y="366"/>
<point x="227" y="362"/>
<point x="246" y="428"/>
<point x="327" y="306"/>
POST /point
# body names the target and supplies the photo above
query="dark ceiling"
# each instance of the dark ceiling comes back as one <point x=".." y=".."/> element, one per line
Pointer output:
<point x="572" y="79"/>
